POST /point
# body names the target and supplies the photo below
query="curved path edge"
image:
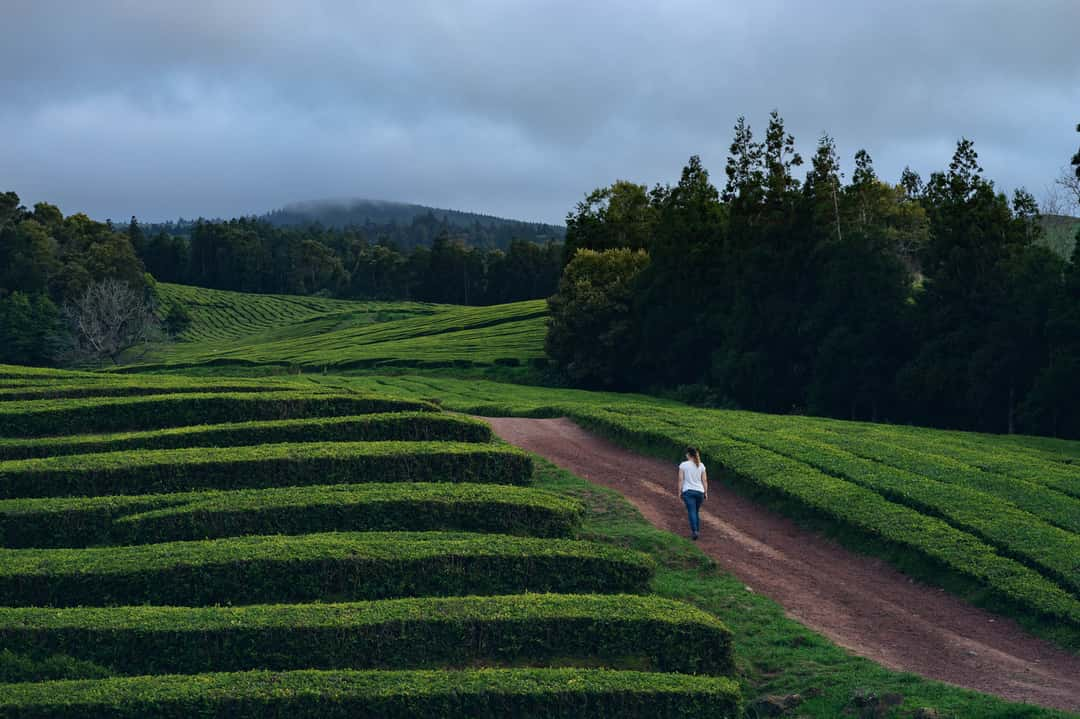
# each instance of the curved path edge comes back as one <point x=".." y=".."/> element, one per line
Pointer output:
<point x="859" y="602"/>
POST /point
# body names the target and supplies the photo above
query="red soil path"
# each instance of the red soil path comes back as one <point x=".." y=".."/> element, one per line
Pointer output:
<point x="858" y="602"/>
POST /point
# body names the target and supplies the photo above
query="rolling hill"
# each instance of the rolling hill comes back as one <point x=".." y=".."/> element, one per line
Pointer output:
<point x="136" y="481"/>
<point x="315" y="334"/>
<point x="359" y="212"/>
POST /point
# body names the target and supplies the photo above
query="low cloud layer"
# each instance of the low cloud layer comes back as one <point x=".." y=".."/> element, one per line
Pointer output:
<point x="219" y="108"/>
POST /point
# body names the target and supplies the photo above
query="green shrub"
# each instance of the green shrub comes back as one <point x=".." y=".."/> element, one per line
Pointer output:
<point x="941" y="463"/>
<point x="41" y="666"/>
<point x="269" y="465"/>
<point x="861" y="509"/>
<point x="473" y="694"/>
<point x="403" y="426"/>
<point x="42" y="418"/>
<point x="64" y="390"/>
<point x="414" y="506"/>
<point x="14" y="371"/>
<point x="373" y="565"/>
<point x="1050" y="550"/>
<point x="621" y="631"/>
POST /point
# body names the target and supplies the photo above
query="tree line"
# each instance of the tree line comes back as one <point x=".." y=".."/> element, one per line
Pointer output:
<point x="70" y="287"/>
<point x="926" y="302"/>
<point x="253" y="255"/>
<point x="62" y="277"/>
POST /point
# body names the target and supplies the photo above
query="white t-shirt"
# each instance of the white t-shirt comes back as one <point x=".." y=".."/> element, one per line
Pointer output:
<point x="691" y="476"/>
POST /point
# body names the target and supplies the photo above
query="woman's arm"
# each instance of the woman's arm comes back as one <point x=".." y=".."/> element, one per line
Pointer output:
<point x="705" y="482"/>
<point x="678" y="486"/>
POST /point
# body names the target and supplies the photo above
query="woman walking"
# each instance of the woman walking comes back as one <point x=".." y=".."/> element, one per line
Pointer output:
<point x="693" y="487"/>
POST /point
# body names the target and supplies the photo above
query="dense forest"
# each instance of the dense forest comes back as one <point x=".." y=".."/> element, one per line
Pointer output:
<point x="395" y="224"/>
<point x="928" y="302"/>
<point x="49" y="263"/>
<point x="252" y="255"/>
<point x="935" y="302"/>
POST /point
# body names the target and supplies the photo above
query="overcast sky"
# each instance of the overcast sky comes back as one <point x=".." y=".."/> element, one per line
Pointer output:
<point x="222" y="107"/>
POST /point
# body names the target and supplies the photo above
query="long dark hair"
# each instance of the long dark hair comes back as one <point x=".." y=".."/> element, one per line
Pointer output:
<point x="694" y="454"/>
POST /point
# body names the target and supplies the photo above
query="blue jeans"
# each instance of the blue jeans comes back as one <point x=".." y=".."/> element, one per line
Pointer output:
<point x="693" y="499"/>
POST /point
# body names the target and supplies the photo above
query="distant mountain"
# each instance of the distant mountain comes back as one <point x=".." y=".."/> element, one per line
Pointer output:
<point x="413" y="224"/>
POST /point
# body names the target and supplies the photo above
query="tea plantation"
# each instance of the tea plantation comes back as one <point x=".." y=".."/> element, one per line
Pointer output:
<point x="234" y="329"/>
<point x="172" y="547"/>
<point x="995" y="519"/>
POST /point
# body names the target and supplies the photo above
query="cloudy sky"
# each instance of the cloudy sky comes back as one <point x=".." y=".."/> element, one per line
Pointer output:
<point x="223" y="107"/>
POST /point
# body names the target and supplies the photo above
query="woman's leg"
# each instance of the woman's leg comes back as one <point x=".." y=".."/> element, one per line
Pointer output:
<point x="692" y="500"/>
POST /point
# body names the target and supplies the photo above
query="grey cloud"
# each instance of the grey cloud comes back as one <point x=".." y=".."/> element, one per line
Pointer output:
<point x="219" y="107"/>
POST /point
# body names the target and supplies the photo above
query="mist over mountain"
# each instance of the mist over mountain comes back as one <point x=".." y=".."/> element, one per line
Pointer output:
<point x="412" y="225"/>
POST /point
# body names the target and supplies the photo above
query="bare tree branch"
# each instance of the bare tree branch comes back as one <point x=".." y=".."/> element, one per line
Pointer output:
<point x="108" y="319"/>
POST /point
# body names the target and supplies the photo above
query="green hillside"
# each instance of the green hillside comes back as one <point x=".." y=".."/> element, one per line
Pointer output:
<point x="996" y="519"/>
<point x="200" y="531"/>
<point x="233" y="328"/>
<point x="241" y="553"/>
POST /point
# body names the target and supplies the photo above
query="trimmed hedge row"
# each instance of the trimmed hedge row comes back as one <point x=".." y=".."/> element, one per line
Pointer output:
<point x="144" y="519"/>
<point x="1019" y="534"/>
<point x="929" y="461"/>
<point x="479" y="694"/>
<point x="269" y="465"/>
<point x="50" y="417"/>
<point x="400" y="426"/>
<point x="128" y="389"/>
<point x="621" y="631"/>
<point x="1020" y="463"/>
<point x="858" y="507"/>
<point x="372" y="565"/>
<point x="14" y="371"/>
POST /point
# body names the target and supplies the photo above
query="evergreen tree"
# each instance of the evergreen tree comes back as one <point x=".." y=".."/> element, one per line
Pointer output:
<point x="136" y="237"/>
<point x="746" y="176"/>
<point x="591" y="324"/>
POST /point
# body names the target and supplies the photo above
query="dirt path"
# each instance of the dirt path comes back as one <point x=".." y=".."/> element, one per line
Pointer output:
<point x="858" y="602"/>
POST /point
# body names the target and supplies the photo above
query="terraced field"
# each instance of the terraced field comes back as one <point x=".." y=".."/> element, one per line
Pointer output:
<point x="231" y="328"/>
<point x="334" y="553"/>
<point x="223" y="315"/>
<point x="994" y="519"/>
